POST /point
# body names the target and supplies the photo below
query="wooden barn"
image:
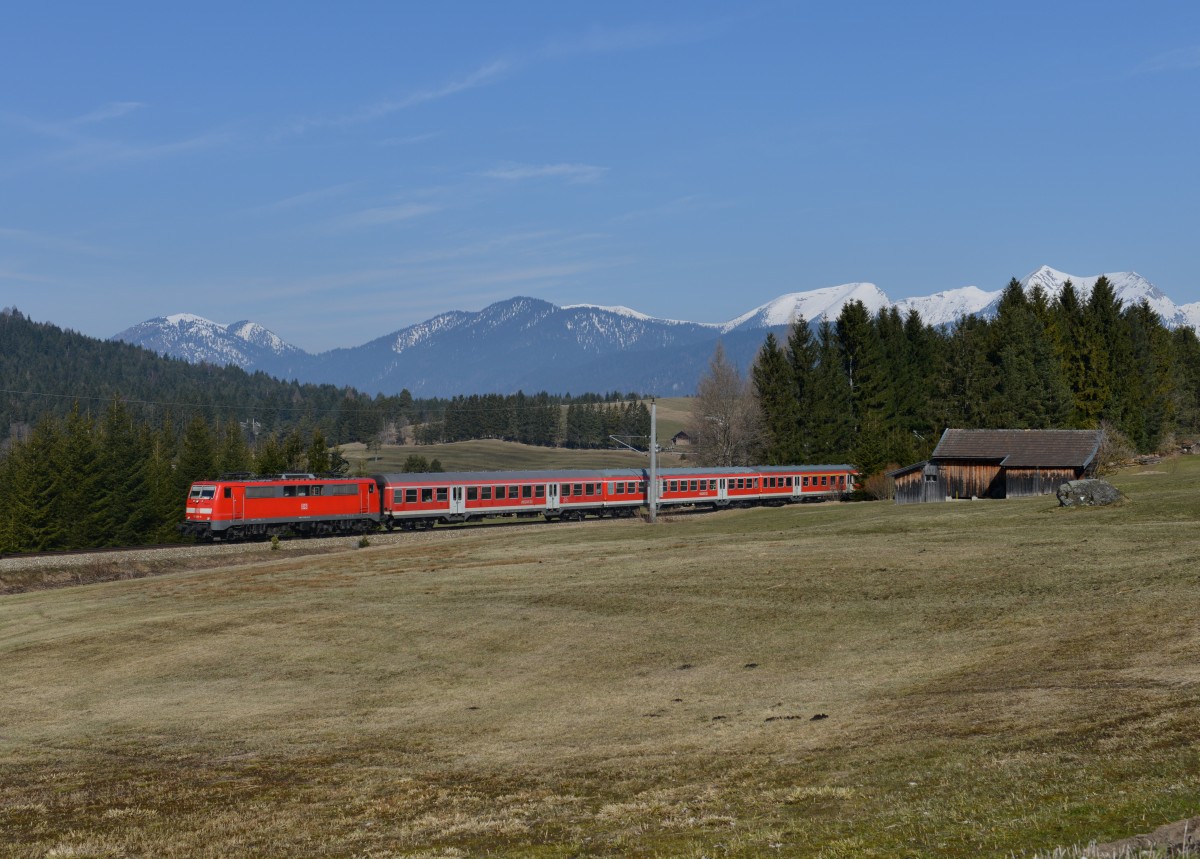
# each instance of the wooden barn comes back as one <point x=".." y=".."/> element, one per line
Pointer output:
<point x="998" y="464"/>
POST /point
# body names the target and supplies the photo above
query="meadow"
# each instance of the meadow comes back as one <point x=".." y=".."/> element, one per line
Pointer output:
<point x="493" y="455"/>
<point x="994" y="678"/>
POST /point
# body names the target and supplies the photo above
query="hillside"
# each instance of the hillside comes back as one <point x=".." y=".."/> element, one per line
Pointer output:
<point x="45" y="369"/>
<point x="825" y="680"/>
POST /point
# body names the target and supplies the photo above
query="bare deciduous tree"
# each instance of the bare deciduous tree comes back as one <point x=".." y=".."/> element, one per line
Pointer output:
<point x="726" y="423"/>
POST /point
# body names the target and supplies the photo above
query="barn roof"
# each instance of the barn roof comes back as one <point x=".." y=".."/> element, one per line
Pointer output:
<point x="1021" y="448"/>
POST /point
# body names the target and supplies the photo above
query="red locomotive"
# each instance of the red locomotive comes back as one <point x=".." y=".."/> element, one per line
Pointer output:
<point x="239" y="507"/>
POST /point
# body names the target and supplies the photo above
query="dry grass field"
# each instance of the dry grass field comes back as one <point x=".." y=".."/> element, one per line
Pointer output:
<point x="969" y="679"/>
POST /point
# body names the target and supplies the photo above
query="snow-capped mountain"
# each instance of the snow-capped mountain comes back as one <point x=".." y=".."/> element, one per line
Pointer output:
<point x="532" y="345"/>
<point x="814" y="305"/>
<point x="196" y="339"/>
<point x="944" y="308"/>
<point x="1128" y="286"/>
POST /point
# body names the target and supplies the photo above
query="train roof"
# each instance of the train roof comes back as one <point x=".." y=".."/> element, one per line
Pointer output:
<point x="583" y="474"/>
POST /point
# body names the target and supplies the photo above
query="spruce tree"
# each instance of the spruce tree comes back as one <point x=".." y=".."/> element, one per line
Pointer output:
<point x="774" y="385"/>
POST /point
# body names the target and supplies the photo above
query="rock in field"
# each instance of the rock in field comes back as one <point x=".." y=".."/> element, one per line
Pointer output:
<point x="1088" y="493"/>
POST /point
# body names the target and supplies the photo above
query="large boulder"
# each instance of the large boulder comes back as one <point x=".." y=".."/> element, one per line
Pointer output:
<point x="1088" y="493"/>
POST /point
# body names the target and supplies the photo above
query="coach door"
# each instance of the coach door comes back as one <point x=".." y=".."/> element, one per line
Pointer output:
<point x="551" y="496"/>
<point x="456" y="499"/>
<point x="721" y="489"/>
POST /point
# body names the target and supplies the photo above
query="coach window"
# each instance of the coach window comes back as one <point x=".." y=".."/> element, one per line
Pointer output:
<point x="589" y="489"/>
<point x="539" y="491"/>
<point x="472" y="493"/>
<point x="642" y="487"/>
<point x="691" y="485"/>
<point x="485" y="493"/>
<point x="787" y="481"/>
<point x="316" y="490"/>
<point x="410" y="496"/>
<point x="806" y="480"/>
<point x="426" y="495"/>
<point x="824" y="479"/>
<point x="526" y="491"/>
<point x="441" y="494"/>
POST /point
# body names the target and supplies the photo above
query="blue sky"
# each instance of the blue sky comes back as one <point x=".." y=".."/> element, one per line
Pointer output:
<point x="339" y="172"/>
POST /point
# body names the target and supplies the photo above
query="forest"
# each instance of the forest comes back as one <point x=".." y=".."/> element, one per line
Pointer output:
<point x="878" y="390"/>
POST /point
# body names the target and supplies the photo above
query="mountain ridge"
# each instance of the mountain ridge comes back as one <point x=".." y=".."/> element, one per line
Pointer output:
<point x="529" y="343"/>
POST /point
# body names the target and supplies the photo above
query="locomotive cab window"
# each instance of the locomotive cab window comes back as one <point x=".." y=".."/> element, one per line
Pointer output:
<point x="228" y="493"/>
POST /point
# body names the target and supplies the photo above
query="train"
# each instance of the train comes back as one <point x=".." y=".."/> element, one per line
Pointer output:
<point x="244" y="507"/>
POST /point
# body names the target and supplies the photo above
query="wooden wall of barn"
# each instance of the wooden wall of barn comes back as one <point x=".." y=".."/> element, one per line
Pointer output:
<point x="1025" y="482"/>
<point x="970" y="479"/>
<point x="913" y="488"/>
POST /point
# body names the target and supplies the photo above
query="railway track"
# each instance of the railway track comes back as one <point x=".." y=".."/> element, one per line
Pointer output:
<point x="83" y="557"/>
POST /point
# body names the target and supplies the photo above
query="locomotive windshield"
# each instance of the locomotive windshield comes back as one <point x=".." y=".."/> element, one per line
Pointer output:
<point x="203" y="493"/>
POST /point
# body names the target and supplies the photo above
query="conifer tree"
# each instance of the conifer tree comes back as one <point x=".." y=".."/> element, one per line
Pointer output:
<point x="318" y="454"/>
<point x="774" y="385"/>
<point x="234" y="454"/>
<point x="832" y="416"/>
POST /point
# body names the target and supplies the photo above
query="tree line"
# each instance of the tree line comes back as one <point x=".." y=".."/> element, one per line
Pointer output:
<point x="875" y="390"/>
<point x="117" y="480"/>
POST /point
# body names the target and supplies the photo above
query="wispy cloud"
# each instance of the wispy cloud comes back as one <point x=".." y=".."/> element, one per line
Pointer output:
<point x="112" y="110"/>
<point x="482" y="76"/>
<point x="1179" y="60"/>
<point x="89" y="154"/>
<point x="409" y="140"/>
<point x="300" y="200"/>
<point x="382" y="215"/>
<point x="573" y="173"/>
<point x="85" y="150"/>
<point x="641" y="37"/>
<point x="679" y="206"/>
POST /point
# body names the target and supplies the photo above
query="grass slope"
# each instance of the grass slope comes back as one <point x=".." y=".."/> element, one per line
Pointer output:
<point x="998" y="677"/>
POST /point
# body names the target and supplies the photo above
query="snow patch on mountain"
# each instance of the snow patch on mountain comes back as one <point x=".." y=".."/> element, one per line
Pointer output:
<point x="1191" y="312"/>
<point x="944" y="308"/>
<point x="1129" y="287"/>
<point x="621" y="310"/>
<point x="814" y="305"/>
<point x="200" y="340"/>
